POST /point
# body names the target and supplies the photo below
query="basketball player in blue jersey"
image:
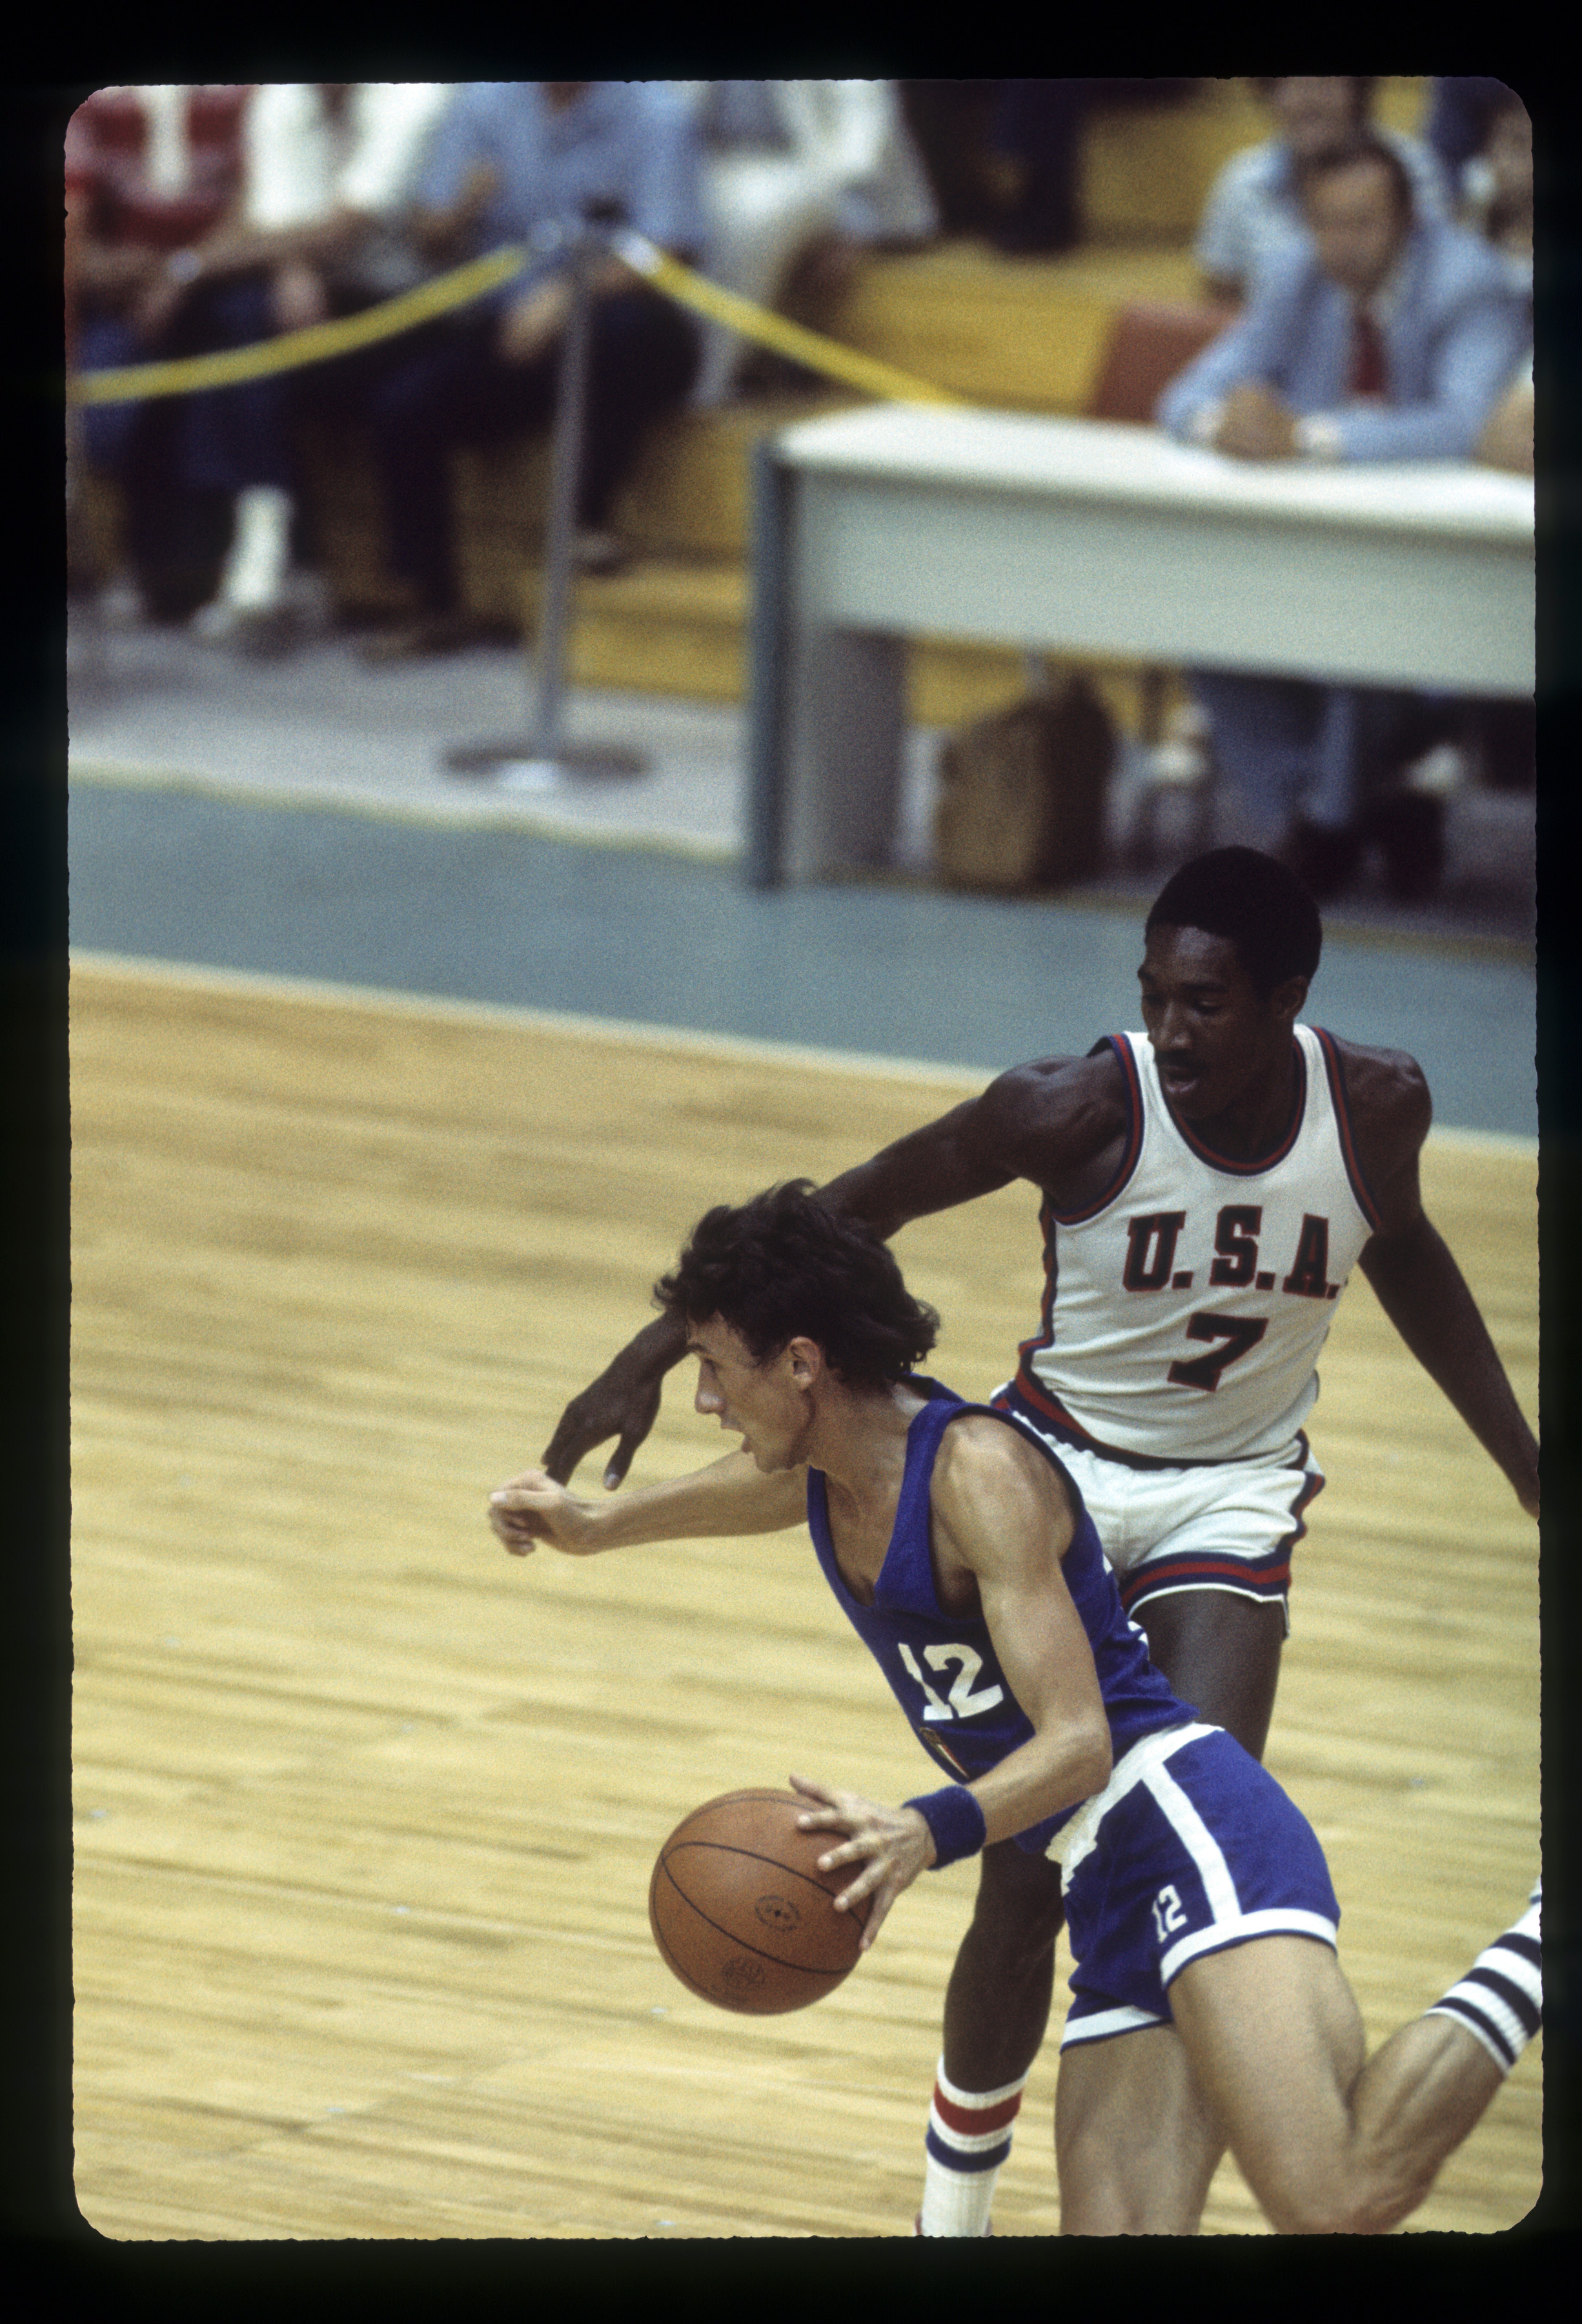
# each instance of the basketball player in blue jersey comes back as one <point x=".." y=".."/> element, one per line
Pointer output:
<point x="1208" y="2006"/>
<point x="1208" y="1185"/>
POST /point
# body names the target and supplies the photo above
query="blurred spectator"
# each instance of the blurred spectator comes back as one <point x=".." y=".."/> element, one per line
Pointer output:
<point x="1460" y="110"/>
<point x="1496" y="189"/>
<point x="950" y="123"/>
<point x="150" y="174"/>
<point x="1501" y="737"/>
<point x="529" y="161"/>
<point x="801" y="176"/>
<point x="1036" y="136"/>
<point x="1387" y="337"/>
<point x="1253" y="209"/>
<point x="1003" y="157"/>
<point x="330" y="168"/>
<point x="216" y="218"/>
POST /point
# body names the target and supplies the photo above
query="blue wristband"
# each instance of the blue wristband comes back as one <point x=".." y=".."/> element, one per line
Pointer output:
<point x="956" y="1821"/>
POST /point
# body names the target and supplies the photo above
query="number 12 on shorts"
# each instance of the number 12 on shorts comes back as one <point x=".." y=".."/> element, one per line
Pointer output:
<point x="1169" y="1913"/>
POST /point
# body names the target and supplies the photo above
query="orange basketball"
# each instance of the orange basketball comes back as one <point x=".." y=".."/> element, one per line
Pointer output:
<point x="741" y="1911"/>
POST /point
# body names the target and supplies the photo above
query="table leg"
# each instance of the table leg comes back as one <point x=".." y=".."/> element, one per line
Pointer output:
<point x="844" y="737"/>
<point x="826" y="718"/>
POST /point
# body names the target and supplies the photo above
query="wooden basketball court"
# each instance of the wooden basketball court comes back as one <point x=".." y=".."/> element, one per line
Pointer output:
<point x="365" y="1809"/>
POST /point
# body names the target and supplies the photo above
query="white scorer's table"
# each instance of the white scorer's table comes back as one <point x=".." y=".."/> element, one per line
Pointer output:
<point x="1087" y="537"/>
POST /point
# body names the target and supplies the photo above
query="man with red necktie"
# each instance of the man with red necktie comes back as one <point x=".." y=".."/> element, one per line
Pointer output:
<point x="1389" y="337"/>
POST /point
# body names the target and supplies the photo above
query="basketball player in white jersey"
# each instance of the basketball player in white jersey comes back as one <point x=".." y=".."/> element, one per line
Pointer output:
<point x="1208" y="1186"/>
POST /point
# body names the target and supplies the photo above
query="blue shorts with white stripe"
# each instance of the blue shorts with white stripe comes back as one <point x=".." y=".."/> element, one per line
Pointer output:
<point x="1191" y="1846"/>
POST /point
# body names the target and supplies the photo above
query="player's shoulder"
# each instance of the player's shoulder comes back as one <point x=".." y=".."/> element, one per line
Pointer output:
<point x="1386" y="1091"/>
<point x="986" y="1468"/>
<point x="1075" y="1098"/>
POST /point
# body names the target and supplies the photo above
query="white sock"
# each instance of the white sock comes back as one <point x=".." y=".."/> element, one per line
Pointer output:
<point x="256" y="569"/>
<point x="969" y="2138"/>
<point x="1501" y="1998"/>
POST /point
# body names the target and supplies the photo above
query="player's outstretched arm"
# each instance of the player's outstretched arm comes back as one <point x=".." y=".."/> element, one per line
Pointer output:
<point x="949" y="1161"/>
<point x="732" y="1496"/>
<point x="1414" y="1277"/>
<point x="930" y="1170"/>
<point x="1426" y="1296"/>
<point x="1033" y="1122"/>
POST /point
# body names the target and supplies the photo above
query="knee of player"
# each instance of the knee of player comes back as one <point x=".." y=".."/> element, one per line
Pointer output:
<point x="1358" y="2204"/>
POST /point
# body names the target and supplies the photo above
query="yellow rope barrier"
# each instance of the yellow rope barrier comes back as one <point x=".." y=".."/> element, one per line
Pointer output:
<point x="133" y="382"/>
<point x="809" y="347"/>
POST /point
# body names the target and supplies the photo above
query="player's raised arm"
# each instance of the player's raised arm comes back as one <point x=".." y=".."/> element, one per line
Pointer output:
<point x="944" y="1163"/>
<point x="732" y="1496"/>
<point x="1415" y="1277"/>
<point x="949" y="1161"/>
<point x="1034" y="1123"/>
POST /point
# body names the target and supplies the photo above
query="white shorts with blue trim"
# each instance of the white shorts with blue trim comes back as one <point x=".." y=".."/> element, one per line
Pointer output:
<point x="1191" y="1846"/>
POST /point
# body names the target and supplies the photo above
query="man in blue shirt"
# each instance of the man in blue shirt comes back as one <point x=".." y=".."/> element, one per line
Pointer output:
<point x="1392" y="337"/>
<point x="529" y="161"/>
<point x="1254" y="208"/>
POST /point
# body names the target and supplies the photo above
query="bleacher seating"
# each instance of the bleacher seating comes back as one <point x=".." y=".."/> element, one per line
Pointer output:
<point x="1028" y="334"/>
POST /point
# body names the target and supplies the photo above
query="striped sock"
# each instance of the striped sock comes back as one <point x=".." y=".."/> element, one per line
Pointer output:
<point x="1501" y="1998"/>
<point x="969" y="2137"/>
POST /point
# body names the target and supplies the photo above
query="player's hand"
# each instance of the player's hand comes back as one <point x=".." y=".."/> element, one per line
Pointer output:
<point x="622" y="1402"/>
<point x="533" y="1509"/>
<point x="1255" y="425"/>
<point x="892" y="1845"/>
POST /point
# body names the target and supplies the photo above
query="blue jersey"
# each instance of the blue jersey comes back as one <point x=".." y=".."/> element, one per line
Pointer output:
<point x="942" y="1668"/>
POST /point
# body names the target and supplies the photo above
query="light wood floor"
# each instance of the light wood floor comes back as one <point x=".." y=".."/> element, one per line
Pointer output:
<point x="365" y="1809"/>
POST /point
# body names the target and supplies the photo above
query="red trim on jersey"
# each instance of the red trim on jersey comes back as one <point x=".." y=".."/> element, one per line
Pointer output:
<point x="1276" y="1155"/>
<point x="974" y="2122"/>
<point x="1049" y="1220"/>
<point x="1045" y="1336"/>
<point x="1136" y="1116"/>
<point x="1342" y="1108"/>
<point x="1036" y="1393"/>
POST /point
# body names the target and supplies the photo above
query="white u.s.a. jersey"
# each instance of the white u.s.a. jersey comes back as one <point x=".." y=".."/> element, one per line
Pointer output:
<point x="1184" y="1310"/>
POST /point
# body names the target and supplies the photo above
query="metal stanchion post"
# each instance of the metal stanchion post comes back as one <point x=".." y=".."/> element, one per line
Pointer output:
<point x="534" y="761"/>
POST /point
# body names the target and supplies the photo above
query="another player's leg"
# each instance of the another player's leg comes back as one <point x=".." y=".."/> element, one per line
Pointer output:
<point x="1221" y="1654"/>
<point x="1329" y="2146"/>
<point x="997" y="2010"/>
<point x="1136" y="2145"/>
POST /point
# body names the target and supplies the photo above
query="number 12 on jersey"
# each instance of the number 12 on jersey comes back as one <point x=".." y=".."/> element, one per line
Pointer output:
<point x="962" y="1701"/>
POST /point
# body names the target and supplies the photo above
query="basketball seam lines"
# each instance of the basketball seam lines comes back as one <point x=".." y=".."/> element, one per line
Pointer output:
<point x="731" y="1936"/>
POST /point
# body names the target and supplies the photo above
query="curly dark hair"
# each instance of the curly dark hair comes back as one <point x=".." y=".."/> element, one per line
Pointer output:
<point x="1256" y="903"/>
<point x="783" y="1266"/>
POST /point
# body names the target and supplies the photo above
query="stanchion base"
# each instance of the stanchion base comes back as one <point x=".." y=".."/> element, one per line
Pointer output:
<point x="521" y="763"/>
